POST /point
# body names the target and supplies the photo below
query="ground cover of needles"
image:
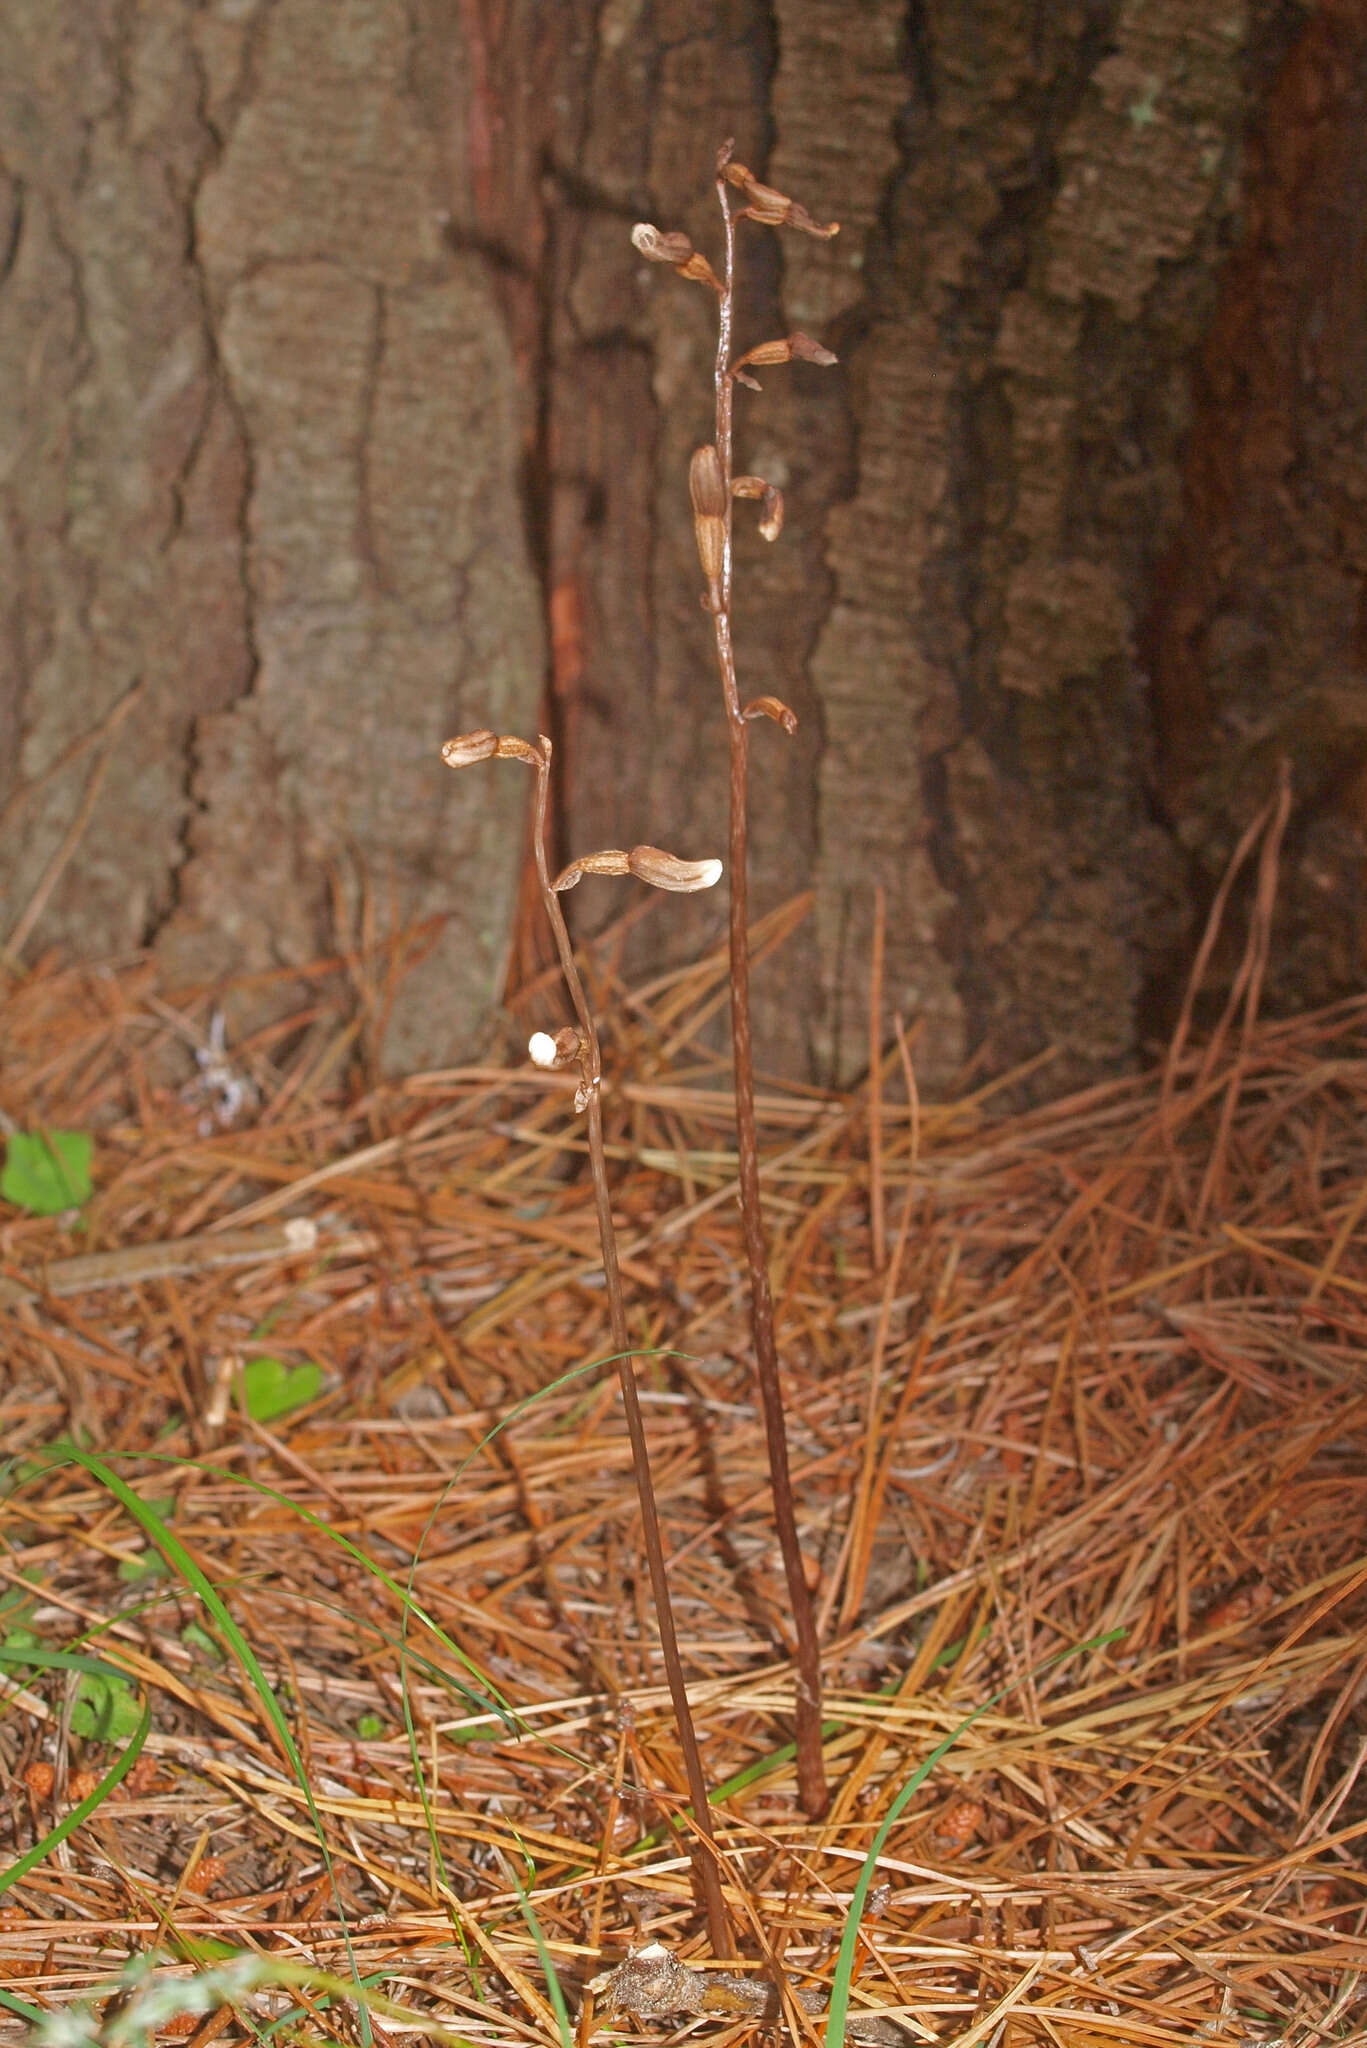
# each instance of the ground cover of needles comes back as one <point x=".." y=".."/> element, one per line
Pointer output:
<point x="1092" y="1371"/>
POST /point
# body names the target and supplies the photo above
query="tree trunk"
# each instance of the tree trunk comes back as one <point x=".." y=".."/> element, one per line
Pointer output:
<point x="1037" y="208"/>
<point x="343" y="395"/>
<point x="1257" y="636"/>
<point x="265" y="466"/>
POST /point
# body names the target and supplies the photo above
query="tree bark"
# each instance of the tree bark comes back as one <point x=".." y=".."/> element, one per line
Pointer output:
<point x="267" y="466"/>
<point x="348" y="416"/>
<point x="1257" y="634"/>
<point x="1037" y="208"/>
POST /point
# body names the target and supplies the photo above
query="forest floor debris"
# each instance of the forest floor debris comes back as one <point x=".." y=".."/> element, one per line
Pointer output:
<point x="1111" y="1382"/>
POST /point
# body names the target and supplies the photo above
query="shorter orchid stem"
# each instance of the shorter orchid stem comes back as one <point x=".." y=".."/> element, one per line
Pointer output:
<point x="705" y="1858"/>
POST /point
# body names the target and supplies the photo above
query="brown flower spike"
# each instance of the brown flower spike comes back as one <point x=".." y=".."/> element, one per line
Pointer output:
<point x="713" y="488"/>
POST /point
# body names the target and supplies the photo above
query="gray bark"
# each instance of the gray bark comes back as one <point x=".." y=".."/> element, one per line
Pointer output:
<point x="344" y="416"/>
<point x="264" y="462"/>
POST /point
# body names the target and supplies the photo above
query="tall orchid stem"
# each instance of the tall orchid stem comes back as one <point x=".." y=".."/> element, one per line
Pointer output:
<point x="703" y="1849"/>
<point x="811" y="1770"/>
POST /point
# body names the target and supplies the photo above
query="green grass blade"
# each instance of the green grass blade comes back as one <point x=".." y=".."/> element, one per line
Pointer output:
<point x="21" y="2007"/>
<point x="774" y="1759"/>
<point x="519" y="1409"/>
<point x="844" y="1967"/>
<point x="487" y="1699"/>
<point x="484" y="1696"/>
<point x="192" y="1573"/>
<point x="83" y="1808"/>
<point x="549" y="1971"/>
<point x="39" y="1655"/>
<point x="324" y="1999"/>
<point x="188" y="1567"/>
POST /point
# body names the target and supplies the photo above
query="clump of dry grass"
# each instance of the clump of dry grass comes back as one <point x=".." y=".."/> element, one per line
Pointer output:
<point x="1110" y="1377"/>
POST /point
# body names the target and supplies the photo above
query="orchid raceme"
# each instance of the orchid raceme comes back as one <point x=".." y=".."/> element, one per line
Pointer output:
<point x="713" y="488"/>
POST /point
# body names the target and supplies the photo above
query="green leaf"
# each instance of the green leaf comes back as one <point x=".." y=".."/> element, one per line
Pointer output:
<point x="16" y="1602"/>
<point x="47" y="1171"/>
<point x="196" y="1638"/>
<point x="148" y="1564"/>
<point x="204" y="1949"/>
<point x="271" y="1388"/>
<point x="12" y="1645"/>
<point x="69" y="1822"/>
<point x="370" y="1728"/>
<point x="105" y="1709"/>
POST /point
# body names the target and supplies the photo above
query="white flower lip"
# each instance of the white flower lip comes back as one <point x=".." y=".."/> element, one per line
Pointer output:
<point x="541" y="1047"/>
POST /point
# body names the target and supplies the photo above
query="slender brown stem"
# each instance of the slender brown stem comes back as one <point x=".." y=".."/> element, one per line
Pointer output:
<point x="706" y="1862"/>
<point x="876" y="1213"/>
<point x="811" y="1773"/>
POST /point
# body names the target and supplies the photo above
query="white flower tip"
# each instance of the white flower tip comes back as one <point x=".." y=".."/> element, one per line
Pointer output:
<point x="711" y="873"/>
<point x="541" y="1047"/>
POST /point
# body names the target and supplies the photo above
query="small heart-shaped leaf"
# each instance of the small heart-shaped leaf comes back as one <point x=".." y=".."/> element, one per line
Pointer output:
<point x="47" y="1171"/>
<point x="271" y="1388"/>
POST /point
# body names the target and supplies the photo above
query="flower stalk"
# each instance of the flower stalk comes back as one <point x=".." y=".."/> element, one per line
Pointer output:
<point x="713" y="490"/>
<point x="576" y="1046"/>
